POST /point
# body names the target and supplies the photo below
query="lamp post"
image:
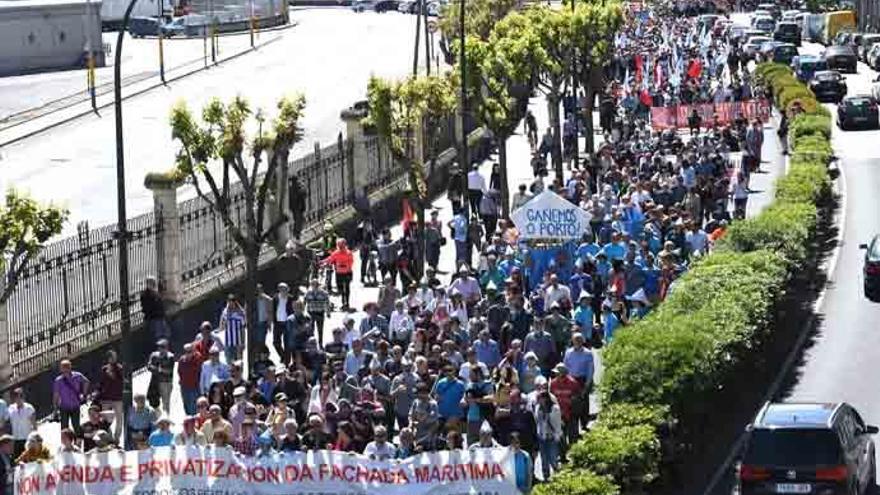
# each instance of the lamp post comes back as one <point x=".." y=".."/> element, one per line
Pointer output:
<point x="122" y="224"/>
<point x="463" y="152"/>
<point x="577" y="109"/>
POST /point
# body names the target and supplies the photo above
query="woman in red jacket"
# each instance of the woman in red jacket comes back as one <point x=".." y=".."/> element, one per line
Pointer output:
<point x="342" y="260"/>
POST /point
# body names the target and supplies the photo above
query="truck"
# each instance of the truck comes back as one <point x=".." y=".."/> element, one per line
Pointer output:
<point x="835" y="22"/>
<point x="113" y="10"/>
<point x="812" y="27"/>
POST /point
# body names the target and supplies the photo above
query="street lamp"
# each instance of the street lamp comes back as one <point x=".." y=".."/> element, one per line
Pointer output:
<point x="463" y="153"/>
<point x="122" y="234"/>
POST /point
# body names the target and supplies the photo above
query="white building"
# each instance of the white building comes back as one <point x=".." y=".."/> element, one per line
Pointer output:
<point x="44" y="35"/>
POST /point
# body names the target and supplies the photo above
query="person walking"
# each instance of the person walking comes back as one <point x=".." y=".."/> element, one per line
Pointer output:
<point x="161" y="365"/>
<point x="232" y="322"/>
<point x="109" y="393"/>
<point x="476" y="188"/>
<point x="264" y="304"/>
<point x="153" y="309"/>
<point x="318" y="306"/>
<point x="342" y="261"/>
<point x="548" y="419"/>
<point x="282" y="307"/>
<point x="69" y="393"/>
<point x="189" y="370"/>
<point x="22" y="421"/>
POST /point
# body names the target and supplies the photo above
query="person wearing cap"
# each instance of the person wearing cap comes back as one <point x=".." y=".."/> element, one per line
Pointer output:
<point x="190" y="436"/>
<point x="34" y="450"/>
<point x="213" y="370"/>
<point x="485" y="441"/>
<point x="583" y="314"/>
<point x="236" y="411"/>
<point x="161" y="366"/>
<point x="162" y="436"/>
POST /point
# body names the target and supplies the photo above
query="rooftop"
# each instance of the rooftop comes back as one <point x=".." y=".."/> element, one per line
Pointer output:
<point x="796" y="415"/>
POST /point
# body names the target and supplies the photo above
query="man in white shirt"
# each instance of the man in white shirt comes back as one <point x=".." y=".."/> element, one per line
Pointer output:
<point x="557" y="293"/>
<point x="21" y="420"/>
<point x="380" y="449"/>
<point x="520" y="197"/>
<point x="476" y="187"/>
<point x="213" y="370"/>
<point x="697" y="239"/>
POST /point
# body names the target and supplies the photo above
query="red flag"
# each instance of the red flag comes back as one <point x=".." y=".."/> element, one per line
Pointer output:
<point x="408" y="215"/>
<point x="695" y="69"/>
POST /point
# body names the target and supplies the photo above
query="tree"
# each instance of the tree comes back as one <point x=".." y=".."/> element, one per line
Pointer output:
<point x="222" y="137"/>
<point x="555" y="35"/>
<point x="500" y="70"/>
<point x="396" y="110"/>
<point x="481" y="16"/>
<point x="595" y="26"/>
<point x="25" y="226"/>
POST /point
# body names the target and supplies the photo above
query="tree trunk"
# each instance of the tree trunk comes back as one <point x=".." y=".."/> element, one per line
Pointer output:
<point x="556" y="151"/>
<point x="252" y="272"/>
<point x="502" y="166"/>
<point x="590" y="142"/>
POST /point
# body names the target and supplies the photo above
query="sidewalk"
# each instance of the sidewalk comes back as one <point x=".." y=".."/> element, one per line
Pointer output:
<point x="519" y="171"/>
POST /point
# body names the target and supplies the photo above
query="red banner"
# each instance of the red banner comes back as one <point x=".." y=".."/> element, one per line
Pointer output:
<point x="677" y="116"/>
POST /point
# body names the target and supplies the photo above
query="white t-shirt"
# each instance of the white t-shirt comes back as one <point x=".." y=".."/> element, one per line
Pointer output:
<point x="465" y="371"/>
<point x="21" y="420"/>
<point x="281" y="311"/>
<point x="379" y="452"/>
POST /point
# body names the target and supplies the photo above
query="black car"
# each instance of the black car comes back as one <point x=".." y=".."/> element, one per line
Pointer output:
<point x="828" y="85"/>
<point x="841" y="57"/>
<point x="788" y="32"/>
<point x="858" y="111"/>
<point x="871" y="268"/>
<point x="807" y="448"/>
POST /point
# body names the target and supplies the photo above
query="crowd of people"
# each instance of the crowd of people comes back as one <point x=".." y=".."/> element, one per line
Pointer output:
<point x="496" y="351"/>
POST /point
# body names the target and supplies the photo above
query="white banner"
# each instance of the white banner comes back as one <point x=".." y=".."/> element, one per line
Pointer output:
<point x="550" y="216"/>
<point x="210" y="471"/>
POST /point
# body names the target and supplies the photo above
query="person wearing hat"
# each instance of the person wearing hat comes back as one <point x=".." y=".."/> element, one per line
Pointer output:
<point x="280" y="412"/>
<point x="531" y="372"/>
<point x="34" y="450"/>
<point x="640" y="304"/>
<point x="162" y="436"/>
<point x="161" y="366"/>
<point x="236" y="411"/>
<point x="7" y="465"/>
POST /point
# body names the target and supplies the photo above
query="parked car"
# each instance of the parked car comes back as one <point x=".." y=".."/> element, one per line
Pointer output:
<point x="875" y="89"/>
<point x="143" y="26"/>
<point x="828" y="85"/>
<point x="871" y="268"/>
<point x="809" y="448"/>
<point x="841" y="57"/>
<point x="858" y="111"/>
<point x="759" y="13"/>
<point x="375" y="5"/>
<point x="750" y="49"/>
<point x="805" y="66"/>
<point x="790" y="15"/>
<point x="765" y="52"/>
<point x="868" y="41"/>
<point x="407" y="6"/>
<point x="788" y="32"/>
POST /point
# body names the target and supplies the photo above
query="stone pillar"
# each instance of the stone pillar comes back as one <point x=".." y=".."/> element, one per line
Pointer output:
<point x="277" y="204"/>
<point x="169" y="265"/>
<point x="360" y="162"/>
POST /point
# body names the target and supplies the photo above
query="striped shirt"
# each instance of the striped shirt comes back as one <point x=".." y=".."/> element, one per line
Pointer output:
<point x="233" y="323"/>
<point x="317" y="301"/>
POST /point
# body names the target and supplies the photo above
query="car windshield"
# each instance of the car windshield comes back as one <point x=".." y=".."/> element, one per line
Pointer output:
<point x="827" y="76"/>
<point x="786" y="50"/>
<point x="790" y="447"/>
<point x="859" y="102"/>
<point x="759" y="41"/>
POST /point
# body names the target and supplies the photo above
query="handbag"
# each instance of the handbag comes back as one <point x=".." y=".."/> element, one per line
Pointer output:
<point x="153" y="396"/>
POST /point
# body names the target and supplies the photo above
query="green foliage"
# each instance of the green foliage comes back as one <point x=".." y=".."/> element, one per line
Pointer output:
<point x="25" y="226"/>
<point x="806" y="182"/>
<point x="808" y="125"/>
<point x="783" y="228"/>
<point x="629" y="454"/>
<point x="480" y="17"/>
<point x="623" y="414"/>
<point x="577" y="482"/>
<point x="397" y="108"/>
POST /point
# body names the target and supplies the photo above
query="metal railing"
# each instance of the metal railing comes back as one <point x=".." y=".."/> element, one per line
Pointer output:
<point x="67" y="299"/>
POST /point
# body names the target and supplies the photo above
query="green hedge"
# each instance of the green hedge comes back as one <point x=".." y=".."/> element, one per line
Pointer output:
<point x="661" y="372"/>
<point x="577" y="482"/>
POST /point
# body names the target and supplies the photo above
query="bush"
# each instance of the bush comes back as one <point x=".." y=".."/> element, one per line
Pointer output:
<point x="630" y="455"/>
<point x="621" y="415"/>
<point x="806" y="182"/>
<point x="577" y="482"/>
<point x="782" y="228"/>
<point x="806" y="125"/>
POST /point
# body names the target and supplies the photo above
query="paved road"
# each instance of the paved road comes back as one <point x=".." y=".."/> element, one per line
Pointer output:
<point x="328" y="56"/>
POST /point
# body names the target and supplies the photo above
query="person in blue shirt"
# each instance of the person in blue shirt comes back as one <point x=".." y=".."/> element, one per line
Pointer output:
<point x="613" y="317"/>
<point x="448" y="392"/>
<point x="508" y="264"/>
<point x="459" y="226"/>
<point x="522" y="465"/>
<point x="487" y="349"/>
<point x="478" y="394"/>
<point x="578" y="359"/>
<point x="603" y="268"/>
<point x="588" y="248"/>
<point x="614" y="250"/>
<point x="162" y="436"/>
<point x="583" y="315"/>
<point x="579" y="281"/>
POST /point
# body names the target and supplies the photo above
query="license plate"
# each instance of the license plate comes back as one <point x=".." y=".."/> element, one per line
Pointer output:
<point x="793" y="488"/>
<point x="860" y="119"/>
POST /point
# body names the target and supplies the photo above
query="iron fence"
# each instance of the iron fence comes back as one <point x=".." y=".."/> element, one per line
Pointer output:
<point x="382" y="169"/>
<point x="327" y="176"/>
<point x="67" y="299"/>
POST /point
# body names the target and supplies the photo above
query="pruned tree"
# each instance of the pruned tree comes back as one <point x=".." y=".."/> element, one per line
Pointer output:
<point x="397" y="109"/>
<point x="480" y="18"/>
<point x="500" y="71"/>
<point x="217" y="150"/>
<point x="25" y="226"/>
